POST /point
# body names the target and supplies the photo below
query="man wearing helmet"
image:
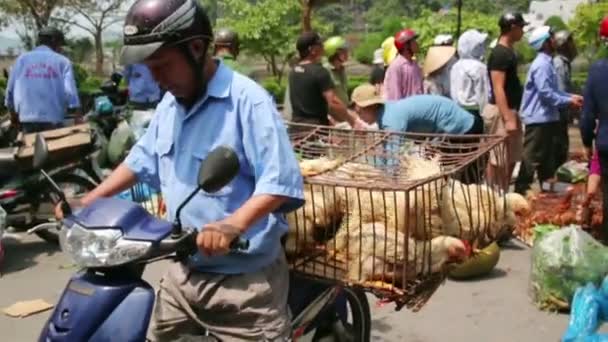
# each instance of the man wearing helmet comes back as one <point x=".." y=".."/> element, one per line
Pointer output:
<point x="236" y="296"/>
<point x="336" y="50"/>
<point x="312" y="92"/>
<point x="41" y="85"/>
<point x="565" y="54"/>
<point x="403" y="77"/>
<point x="541" y="102"/>
<point x="596" y="110"/>
<point x="227" y="47"/>
<point x="500" y="115"/>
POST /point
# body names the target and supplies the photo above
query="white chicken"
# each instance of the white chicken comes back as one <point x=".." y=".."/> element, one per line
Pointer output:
<point x="376" y="253"/>
<point x="470" y="211"/>
<point x="323" y="209"/>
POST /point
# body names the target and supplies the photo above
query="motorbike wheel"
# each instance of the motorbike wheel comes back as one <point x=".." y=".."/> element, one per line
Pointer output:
<point x="64" y="181"/>
<point x="358" y="324"/>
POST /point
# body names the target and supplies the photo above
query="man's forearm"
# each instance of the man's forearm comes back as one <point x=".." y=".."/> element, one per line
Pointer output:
<point x="255" y="209"/>
<point x="121" y="179"/>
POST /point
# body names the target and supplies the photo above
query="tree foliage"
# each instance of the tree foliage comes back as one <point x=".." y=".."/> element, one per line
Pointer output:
<point x="96" y="16"/>
<point x="585" y="26"/>
<point x="268" y="28"/>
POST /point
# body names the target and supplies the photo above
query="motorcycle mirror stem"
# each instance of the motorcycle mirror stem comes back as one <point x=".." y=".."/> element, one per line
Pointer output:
<point x="41" y="154"/>
<point x="216" y="171"/>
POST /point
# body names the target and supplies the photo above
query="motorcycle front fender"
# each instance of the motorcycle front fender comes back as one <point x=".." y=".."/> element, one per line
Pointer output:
<point x="99" y="308"/>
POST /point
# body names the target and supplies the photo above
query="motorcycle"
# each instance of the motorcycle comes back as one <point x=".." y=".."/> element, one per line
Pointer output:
<point x="26" y="196"/>
<point x="117" y="126"/>
<point x="113" y="240"/>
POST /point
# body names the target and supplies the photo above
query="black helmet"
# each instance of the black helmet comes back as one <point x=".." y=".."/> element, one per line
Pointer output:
<point x="151" y="24"/>
<point x="509" y="19"/>
<point x="49" y="34"/>
<point x="226" y="37"/>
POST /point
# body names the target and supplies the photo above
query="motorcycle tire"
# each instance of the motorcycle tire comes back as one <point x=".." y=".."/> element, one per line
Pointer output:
<point x="360" y="327"/>
<point x="85" y="183"/>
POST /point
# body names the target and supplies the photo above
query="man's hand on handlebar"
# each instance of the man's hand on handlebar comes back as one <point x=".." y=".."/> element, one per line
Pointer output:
<point x="215" y="238"/>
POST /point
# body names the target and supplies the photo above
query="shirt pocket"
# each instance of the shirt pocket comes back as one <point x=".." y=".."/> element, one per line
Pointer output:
<point x="165" y="150"/>
<point x="198" y="158"/>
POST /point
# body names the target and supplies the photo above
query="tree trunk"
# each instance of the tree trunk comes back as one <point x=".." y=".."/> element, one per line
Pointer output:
<point x="273" y="66"/>
<point x="306" y="16"/>
<point x="98" y="53"/>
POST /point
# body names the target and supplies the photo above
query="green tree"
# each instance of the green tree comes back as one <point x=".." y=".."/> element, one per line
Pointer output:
<point x="585" y="24"/>
<point x="97" y="16"/>
<point x="268" y="28"/>
<point x="79" y="49"/>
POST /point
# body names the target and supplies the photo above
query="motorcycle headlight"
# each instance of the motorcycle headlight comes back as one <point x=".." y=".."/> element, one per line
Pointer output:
<point x="100" y="247"/>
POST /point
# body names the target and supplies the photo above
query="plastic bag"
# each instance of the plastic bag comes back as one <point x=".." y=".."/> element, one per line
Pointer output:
<point x="562" y="261"/>
<point x="542" y="229"/>
<point x="588" y="313"/>
<point x="572" y="172"/>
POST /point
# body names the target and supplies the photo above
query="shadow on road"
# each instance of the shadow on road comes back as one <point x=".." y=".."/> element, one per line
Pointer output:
<point x="495" y="274"/>
<point x="513" y="245"/>
<point x="20" y="255"/>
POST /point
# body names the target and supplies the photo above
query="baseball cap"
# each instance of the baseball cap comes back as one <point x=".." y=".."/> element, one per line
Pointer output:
<point x="366" y="95"/>
<point x="307" y="40"/>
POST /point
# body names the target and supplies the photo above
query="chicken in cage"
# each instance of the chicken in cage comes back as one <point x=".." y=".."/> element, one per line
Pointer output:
<point x="390" y="211"/>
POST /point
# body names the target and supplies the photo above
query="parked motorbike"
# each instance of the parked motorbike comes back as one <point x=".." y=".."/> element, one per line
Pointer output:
<point x="113" y="240"/>
<point x="26" y="196"/>
<point x="117" y="126"/>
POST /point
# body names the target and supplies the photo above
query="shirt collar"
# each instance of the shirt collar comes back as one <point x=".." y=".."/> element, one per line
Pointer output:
<point x="43" y="48"/>
<point x="221" y="82"/>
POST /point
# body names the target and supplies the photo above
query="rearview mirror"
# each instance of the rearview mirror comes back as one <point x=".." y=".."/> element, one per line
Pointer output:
<point x="41" y="151"/>
<point x="218" y="169"/>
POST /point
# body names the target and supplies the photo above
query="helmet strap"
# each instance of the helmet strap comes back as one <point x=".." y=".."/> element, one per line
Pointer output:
<point x="198" y="70"/>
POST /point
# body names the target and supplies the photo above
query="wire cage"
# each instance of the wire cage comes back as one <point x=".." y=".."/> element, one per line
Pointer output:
<point x="389" y="211"/>
<point x="148" y="198"/>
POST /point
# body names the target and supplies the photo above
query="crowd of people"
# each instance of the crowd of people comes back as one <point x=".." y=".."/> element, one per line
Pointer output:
<point x="208" y="103"/>
<point x="456" y="91"/>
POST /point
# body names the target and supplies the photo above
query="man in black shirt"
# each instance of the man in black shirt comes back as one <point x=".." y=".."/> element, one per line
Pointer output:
<point x="500" y="115"/>
<point x="311" y="89"/>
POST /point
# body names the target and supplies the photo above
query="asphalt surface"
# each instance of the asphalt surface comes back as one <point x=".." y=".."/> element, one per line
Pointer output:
<point x="496" y="308"/>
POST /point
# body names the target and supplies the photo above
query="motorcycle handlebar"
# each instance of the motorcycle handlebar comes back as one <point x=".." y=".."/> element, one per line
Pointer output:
<point x="185" y="244"/>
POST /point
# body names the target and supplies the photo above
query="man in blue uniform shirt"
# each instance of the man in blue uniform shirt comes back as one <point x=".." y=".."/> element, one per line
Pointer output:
<point x="41" y="85"/>
<point x="540" y="112"/>
<point x="236" y="295"/>
<point x="143" y="90"/>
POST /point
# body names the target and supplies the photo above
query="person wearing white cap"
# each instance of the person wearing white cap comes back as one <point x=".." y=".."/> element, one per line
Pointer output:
<point x="376" y="77"/>
<point x="469" y="83"/>
<point x="539" y="112"/>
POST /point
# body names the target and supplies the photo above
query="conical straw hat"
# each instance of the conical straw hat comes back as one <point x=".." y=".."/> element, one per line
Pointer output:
<point x="437" y="57"/>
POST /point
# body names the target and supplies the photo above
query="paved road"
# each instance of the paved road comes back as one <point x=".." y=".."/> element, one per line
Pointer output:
<point x="493" y="309"/>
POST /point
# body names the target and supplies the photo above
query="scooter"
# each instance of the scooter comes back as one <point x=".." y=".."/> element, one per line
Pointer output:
<point x="113" y="240"/>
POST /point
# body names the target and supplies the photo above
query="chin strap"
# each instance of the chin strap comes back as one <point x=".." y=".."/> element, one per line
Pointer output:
<point x="198" y="67"/>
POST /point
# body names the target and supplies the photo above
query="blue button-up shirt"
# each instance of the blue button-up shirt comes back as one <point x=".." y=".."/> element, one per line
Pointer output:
<point x="542" y="97"/>
<point x="41" y="86"/>
<point x="240" y="114"/>
<point x="596" y="106"/>
<point x="142" y="86"/>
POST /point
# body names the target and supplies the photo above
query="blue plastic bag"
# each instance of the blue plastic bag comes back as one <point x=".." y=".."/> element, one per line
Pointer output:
<point x="589" y="311"/>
